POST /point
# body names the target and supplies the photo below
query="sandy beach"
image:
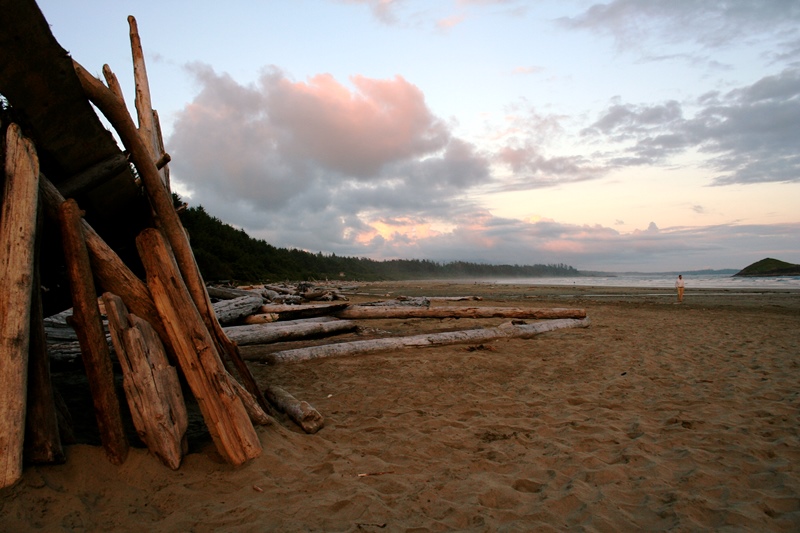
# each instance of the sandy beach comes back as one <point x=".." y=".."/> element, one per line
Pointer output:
<point x="659" y="416"/>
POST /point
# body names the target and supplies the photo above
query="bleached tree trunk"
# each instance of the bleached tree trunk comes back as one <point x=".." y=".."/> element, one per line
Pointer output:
<point x="362" y="311"/>
<point x="276" y="332"/>
<point x="418" y="341"/>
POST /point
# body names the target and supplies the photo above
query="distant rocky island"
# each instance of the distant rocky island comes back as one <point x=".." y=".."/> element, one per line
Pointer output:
<point x="770" y="267"/>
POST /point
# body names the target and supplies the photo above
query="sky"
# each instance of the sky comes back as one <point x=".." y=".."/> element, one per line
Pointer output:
<point x="625" y="135"/>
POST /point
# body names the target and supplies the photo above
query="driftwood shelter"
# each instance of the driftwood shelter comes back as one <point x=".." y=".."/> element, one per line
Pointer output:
<point x="89" y="226"/>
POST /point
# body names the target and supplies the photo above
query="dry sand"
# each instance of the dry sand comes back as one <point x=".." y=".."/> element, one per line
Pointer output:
<point x="659" y="416"/>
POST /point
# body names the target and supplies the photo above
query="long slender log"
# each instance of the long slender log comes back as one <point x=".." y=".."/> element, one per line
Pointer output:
<point x="303" y="414"/>
<point x="263" y="334"/>
<point x="42" y="439"/>
<point x="404" y="311"/>
<point x="362" y="311"/>
<point x="144" y="106"/>
<point x="151" y="384"/>
<point x="89" y="327"/>
<point x="161" y="200"/>
<point x="507" y="330"/>
<point x="17" y="238"/>
<point x="225" y="415"/>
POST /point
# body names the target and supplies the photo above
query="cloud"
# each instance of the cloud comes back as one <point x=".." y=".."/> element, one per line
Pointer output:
<point x="749" y="134"/>
<point x="383" y="10"/>
<point x="711" y="24"/>
<point x="312" y="163"/>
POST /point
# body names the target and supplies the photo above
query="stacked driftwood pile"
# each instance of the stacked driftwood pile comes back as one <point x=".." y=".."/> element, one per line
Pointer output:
<point x="157" y="324"/>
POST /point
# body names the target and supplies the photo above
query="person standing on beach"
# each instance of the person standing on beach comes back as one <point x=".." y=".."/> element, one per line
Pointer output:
<point x="679" y="285"/>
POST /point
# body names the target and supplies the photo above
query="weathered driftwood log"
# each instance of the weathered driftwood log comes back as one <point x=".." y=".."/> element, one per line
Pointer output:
<point x="453" y="298"/>
<point x="232" y="311"/>
<point x="303" y="414"/>
<point x="225" y="415"/>
<point x="227" y="293"/>
<point x="362" y="311"/>
<point x="292" y="312"/>
<point x="151" y="383"/>
<point x="42" y="439"/>
<point x="277" y="332"/>
<point x="434" y="339"/>
<point x="17" y="238"/>
<point x="401" y="301"/>
<point x="167" y="218"/>
<point x="261" y="318"/>
<point x="89" y="327"/>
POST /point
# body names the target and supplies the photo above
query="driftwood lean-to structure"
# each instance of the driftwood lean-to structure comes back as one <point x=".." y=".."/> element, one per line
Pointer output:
<point x="81" y="218"/>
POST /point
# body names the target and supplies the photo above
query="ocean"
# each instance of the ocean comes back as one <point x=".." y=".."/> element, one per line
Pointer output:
<point x="725" y="282"/>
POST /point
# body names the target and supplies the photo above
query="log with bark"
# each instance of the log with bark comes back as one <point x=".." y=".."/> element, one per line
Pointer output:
<point x="283" y="331"/>
<point x="17" y="238"/>
<point x="302" y="413"/>
<point x="507" y="330"/>
<point x="150" y="382"/>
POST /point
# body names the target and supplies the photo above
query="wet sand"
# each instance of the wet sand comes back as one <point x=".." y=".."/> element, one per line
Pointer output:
<point x="659" y="416"/>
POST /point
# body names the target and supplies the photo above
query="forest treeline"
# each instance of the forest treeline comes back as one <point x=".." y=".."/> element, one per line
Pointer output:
<point x="226" y="253"/>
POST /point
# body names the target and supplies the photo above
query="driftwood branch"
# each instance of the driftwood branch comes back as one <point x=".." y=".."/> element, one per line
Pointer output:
<point x="507" y="330"/>
<point x="303" y="414"/>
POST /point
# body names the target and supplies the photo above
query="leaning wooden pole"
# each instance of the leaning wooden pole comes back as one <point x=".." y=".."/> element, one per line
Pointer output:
<point x="117" y="114"/>
<point x="225" y="415"/>
<point x="17" y="237"/>
<point x="89" y="327"/>
<point x="149" y="126"/>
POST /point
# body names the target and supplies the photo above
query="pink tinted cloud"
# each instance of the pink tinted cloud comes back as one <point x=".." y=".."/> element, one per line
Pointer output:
<point x="354" y="131"/>
<point x="446" y="24"/>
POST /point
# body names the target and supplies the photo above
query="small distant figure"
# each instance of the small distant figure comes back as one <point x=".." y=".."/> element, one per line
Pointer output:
<point x="679" y="285"/>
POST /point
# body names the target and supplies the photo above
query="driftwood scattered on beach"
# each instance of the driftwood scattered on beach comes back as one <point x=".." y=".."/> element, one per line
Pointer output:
<point x="302" y="413"/>
<point x="434" y="339"/>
